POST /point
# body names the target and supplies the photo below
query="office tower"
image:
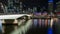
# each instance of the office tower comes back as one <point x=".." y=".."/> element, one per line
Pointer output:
<point x="55" y="6"/>
<point x="21" y="7"/>
<point x="10" y="6"/>
<point x="50" y="6"/>
<point x="14" y="6"/>
<point x="1" y="8"/>
<point x="34" y="9"/>
<point x="58" y="6"/>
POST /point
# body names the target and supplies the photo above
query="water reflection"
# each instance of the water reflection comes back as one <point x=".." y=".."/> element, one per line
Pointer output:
<point x="0" y="26"/>
<point x="38" y="27"/>
<point x="7" y="29"/>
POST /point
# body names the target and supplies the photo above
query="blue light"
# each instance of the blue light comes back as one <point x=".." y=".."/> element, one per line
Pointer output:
<point x="50" y="31"/>
<point x="50" y="0"/>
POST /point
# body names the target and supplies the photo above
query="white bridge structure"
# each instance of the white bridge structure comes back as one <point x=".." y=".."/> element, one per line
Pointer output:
<point x="11" y="17"/>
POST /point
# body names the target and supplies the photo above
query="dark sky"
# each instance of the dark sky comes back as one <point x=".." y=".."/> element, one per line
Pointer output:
<point x="28" y="1"/>
<point x="33" y="3"/>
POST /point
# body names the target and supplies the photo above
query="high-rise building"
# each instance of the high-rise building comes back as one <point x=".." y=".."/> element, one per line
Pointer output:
<point x="21" y="6"/>
<point x="50" y="6"/>
<point x="58" y="6"/>
<point x="14" y="6"/>
<point x="1" y="8"/>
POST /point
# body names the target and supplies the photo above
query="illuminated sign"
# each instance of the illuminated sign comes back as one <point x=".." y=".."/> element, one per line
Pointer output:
<point x="50" y="0"/>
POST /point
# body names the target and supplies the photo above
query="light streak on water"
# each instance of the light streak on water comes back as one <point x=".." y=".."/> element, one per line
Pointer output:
<point x="50" y="30"/>
<point x="23" y="29"/>
<point x="0" y="26"/>
<point x="40" y="22"/>
<point x="35" y="22"/>
<point x="43" y="22"/>
<point x="49" y="22"/>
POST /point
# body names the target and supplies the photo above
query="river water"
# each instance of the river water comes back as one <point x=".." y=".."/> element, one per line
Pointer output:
<point x="38" y="27"/>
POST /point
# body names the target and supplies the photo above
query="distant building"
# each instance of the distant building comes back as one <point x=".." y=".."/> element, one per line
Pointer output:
<point x="1" y="8"/>
<point x="50" y="6"/>
<point x="24" y="6"/>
